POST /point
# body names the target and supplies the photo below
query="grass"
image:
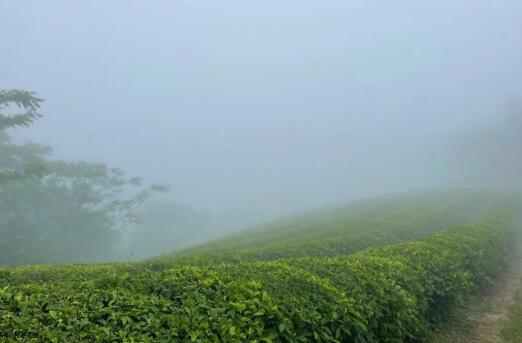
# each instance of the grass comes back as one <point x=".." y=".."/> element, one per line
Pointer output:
<point x="512" y="330"/>
<point x="494" y="315"/>
<point x="462" y="320"/>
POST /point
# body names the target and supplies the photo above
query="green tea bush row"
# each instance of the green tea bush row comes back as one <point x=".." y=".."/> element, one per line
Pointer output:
<point x="393" y="293"/>
<point x="349" y="231"/>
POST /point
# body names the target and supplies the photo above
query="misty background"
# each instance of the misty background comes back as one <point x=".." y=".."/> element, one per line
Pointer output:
<point x="255" y="110"/>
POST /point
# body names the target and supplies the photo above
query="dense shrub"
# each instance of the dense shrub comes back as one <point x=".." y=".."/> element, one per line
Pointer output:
<point x="344" y="230"/>
<point x="392" y="293"/>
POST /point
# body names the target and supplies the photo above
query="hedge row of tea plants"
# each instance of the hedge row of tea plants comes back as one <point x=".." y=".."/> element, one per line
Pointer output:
<point x="393" y="293"/>
<point x="342" y="231"/>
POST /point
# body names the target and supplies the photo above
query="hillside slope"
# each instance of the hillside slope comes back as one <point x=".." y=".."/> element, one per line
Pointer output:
<point x="346" y="229"/>
<point x="393" y="293"/>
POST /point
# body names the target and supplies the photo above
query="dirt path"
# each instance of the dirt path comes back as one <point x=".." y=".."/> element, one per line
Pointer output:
<point x="487" y="325"/>
<point x="482" y="320"/>
<point x="485" y="317"/>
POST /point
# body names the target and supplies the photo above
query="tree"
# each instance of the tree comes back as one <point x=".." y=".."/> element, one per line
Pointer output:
<point x="28" y="101"/>
<point x="19" y="161"/>
<point x="55" y="211"/>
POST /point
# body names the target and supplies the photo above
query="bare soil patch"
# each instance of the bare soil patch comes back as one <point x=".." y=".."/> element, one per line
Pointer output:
<point x="484" y="317"/>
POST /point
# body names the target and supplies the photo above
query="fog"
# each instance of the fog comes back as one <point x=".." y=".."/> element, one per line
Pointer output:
<point x="252" y="110"/>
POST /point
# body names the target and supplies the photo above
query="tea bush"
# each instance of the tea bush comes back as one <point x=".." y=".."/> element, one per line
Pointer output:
<point x="392" y="293"/>
<point x="344" y="230"/>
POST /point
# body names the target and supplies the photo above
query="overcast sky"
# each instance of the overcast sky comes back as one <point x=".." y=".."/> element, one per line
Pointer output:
<point x="264" y="106"/>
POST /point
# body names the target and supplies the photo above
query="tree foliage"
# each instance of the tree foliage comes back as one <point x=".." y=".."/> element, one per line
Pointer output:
<point x="24" y="100"/>
<point x="58" y="210"/>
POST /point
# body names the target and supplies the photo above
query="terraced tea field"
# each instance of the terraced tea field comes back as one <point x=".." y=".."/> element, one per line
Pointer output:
<point x="387" y="269"/>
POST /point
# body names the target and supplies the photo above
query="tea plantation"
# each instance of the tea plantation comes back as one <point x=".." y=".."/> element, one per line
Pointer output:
<point x="382" y="270"/>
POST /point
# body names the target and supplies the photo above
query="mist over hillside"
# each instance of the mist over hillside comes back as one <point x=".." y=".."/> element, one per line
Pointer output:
<point x="260" y="171"/>
<point x="255" y="111"/>
<point x="165" y="227"/>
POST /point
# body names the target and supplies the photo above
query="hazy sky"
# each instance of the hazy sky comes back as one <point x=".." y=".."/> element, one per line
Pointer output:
<point x="267" y="106"/>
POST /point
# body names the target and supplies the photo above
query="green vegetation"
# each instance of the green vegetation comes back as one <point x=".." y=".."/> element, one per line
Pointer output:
<point x="379" y="270"/>
<point x="344" y="230"/>
<point x="391" y="293"/>
<point x="512" y="331"/>
<point x="57" y="211"/>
